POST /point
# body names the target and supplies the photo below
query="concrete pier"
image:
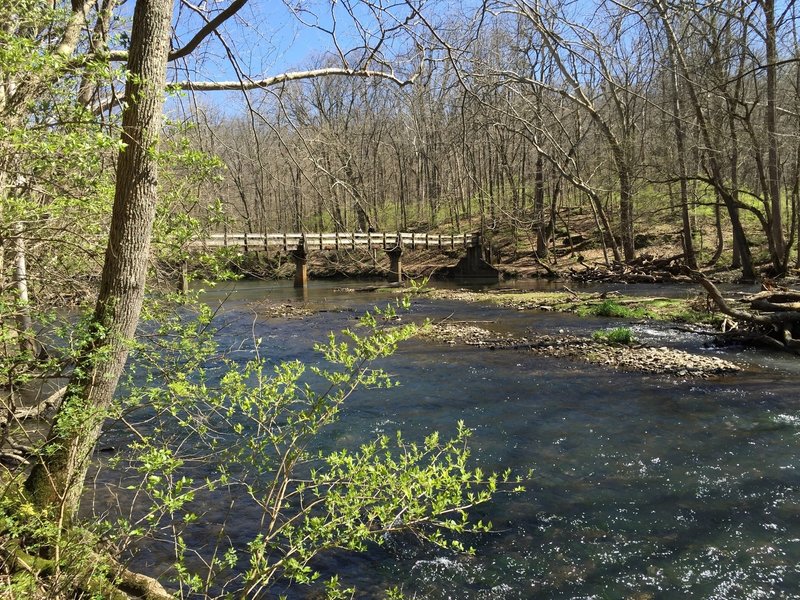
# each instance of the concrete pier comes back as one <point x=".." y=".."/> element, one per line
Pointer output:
<point x="395" y="263"/>
<point x="300" y="257"/>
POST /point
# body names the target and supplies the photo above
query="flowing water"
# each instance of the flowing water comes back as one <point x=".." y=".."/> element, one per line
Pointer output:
<point x="643" y="486"/>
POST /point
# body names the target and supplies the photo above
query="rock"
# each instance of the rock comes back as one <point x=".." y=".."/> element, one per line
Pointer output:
<point x="275" y="310"/>
<point x="639" y="358"/>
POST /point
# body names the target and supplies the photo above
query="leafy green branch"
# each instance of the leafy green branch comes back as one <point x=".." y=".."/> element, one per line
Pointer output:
<point x="257" y="427"/>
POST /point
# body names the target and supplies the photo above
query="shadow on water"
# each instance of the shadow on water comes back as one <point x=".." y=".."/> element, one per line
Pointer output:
<point x="643" y="486"/>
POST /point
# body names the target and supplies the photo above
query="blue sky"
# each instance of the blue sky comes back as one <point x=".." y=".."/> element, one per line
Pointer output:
<point x="267" y="37"/>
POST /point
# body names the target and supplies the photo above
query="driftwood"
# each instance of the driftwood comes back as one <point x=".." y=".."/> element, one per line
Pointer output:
<point x="775" y="300"/>
<point x="32" y="412"/>
<point x="643" y="269"/>
<point x="773" y="318"/>
<point x="13" y="453"/>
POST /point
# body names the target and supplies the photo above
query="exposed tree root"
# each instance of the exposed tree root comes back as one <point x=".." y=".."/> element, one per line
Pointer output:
<point x="119" y="584"/>
<point x="551" y="273"/>
<point x="15" y="454"/>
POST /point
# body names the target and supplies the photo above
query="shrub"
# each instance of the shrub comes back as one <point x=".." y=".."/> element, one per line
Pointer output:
<point x="618" y="335"/>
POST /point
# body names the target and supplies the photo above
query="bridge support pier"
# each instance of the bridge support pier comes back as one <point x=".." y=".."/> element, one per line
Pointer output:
<point x="474" y="258"/>
<point x="300" y="257"/>
<point x="474" y="264"/>
<point x="395" y="264"/>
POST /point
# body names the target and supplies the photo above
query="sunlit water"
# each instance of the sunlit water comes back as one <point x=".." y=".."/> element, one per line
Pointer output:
<point x="643" y="486"/>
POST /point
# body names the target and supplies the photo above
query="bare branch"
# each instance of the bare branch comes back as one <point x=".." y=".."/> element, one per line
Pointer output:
<point x="252" y="84"/>
<point x="207" y="30"/>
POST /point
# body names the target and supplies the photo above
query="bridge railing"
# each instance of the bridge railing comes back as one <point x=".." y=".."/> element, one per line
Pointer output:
<point x="342" y="240"/>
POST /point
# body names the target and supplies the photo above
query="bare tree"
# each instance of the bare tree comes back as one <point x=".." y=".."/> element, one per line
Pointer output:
<point x="583" y="59"/>
<point x="714" y="167"/>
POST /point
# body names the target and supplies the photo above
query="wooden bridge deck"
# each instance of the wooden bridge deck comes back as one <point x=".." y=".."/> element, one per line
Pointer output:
<point x="297" y="245"/>
<point x="323" y="241"/>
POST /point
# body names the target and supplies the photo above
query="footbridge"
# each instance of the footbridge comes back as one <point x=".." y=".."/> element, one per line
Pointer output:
<point x="298" y="245"/>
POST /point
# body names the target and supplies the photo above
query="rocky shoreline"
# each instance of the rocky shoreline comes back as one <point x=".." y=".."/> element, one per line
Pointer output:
<point x="633" y="358"/>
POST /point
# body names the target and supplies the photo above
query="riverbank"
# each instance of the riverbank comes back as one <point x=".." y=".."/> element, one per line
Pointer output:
<point x="693" y="309"/>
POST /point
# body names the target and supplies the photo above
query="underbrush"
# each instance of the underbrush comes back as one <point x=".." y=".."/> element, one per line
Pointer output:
<point x="658" y="309"/>
<point x="611" y="308"/>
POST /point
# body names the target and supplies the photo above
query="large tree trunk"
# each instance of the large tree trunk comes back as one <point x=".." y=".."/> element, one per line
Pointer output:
<point x="773" y="162"/>
<point x="626" y="209"/>
<point x="538" y="208"/>
<point x="680" y="141"/>
<point x="56" y="480"/>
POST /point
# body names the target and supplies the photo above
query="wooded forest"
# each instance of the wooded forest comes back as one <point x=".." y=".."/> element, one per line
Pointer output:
<point x="674" y="116"/>
<point x="122" y="142"/>
<point x="649" y="114"/>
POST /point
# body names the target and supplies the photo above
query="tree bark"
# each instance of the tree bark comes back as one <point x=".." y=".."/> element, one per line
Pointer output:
<point x="538" y="208"/>
<point x="680" y="142"/>
<point x="773" y="160"/>
<point x="24" y="321"/>
<point x="56" y="480"/>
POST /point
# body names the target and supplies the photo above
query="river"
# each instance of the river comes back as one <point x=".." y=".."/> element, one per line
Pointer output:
<point x="643" y="486"/>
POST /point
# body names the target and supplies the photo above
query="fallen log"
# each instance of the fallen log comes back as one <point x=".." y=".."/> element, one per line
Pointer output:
<point x="33" y="412"/>
<point x="775" y="300"/>
<point x="775" y="327"/>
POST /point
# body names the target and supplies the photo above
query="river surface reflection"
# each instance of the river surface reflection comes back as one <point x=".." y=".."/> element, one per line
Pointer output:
<point x="643" y="487"/>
